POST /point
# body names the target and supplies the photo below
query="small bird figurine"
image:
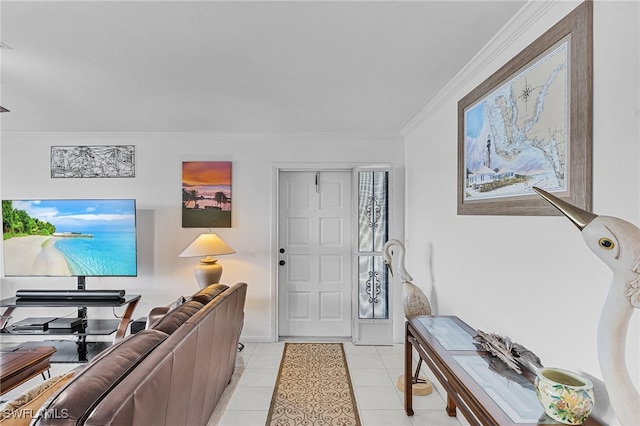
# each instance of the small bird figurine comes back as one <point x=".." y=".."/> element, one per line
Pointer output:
<point x="617" y="243"/>
<point x="414" y="303"/>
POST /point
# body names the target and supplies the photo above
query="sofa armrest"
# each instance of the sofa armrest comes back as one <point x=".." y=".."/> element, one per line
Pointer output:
<point x="159" y="312"/>
<point x="156" y="314"/>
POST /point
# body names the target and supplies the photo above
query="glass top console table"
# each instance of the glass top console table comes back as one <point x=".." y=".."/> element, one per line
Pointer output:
<point x="479" y="385"/>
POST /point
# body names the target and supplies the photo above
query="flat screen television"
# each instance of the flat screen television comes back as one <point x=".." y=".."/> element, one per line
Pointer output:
<point x="69" y="237"/>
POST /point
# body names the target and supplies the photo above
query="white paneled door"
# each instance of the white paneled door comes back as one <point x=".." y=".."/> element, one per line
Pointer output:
<point x="315" y="249"/>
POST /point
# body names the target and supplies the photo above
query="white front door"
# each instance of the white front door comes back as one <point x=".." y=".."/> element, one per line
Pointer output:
<point x="315" y="259"/>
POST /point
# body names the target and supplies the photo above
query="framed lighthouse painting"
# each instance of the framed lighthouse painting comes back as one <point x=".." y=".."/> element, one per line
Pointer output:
<point x="530" y="124"/>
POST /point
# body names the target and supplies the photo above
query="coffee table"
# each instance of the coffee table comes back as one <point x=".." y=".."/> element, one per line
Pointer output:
<point x="22" y="364"/>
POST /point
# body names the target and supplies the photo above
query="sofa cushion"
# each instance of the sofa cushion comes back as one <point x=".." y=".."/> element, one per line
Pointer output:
<point x="174" y="319"/>
<point x="102" y="374"/>
<point x="209" y="293"/>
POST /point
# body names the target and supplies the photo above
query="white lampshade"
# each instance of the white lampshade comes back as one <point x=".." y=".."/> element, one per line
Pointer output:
<point x="206" y="245"/>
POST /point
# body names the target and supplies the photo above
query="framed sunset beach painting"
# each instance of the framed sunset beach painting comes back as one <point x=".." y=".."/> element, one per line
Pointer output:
<point x="206" y="194"/>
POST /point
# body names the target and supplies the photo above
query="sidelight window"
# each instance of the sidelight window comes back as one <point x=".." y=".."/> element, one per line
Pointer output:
<point x="373" y="232"/>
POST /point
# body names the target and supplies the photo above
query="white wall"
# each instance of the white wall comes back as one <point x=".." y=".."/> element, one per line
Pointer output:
<point x="163" y="276"/>
<point x="530" y="278"/>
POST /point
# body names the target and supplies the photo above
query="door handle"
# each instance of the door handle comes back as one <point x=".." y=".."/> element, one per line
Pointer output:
<point x="282" y="262"/>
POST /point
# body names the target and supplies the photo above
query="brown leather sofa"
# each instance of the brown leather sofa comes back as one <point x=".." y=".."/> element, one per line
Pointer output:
<point x="172" y="373"/>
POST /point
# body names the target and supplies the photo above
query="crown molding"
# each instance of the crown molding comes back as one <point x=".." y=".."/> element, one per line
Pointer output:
<point x="521" y="22"/>
<point x="216" y="135"/>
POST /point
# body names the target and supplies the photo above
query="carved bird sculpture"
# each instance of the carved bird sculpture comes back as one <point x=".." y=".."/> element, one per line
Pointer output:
<point x="414" y="301"/>
<point x="617" y="243"/>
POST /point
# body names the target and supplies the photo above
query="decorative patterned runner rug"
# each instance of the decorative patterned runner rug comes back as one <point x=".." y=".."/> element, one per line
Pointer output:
<point x="313" y="387"/>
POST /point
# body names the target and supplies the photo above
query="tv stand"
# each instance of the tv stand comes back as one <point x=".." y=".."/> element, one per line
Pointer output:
<point x="82" y="285"/>
<point x="89" y="327"/>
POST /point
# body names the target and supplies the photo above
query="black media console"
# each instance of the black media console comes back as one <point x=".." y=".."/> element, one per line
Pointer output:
<point x="89" y="327"/>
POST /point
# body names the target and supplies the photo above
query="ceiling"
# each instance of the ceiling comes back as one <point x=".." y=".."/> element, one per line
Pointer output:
<point x="234" y="66"/>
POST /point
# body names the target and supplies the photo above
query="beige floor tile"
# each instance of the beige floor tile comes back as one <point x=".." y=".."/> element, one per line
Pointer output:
<point x="243" y="418"/>
<point x="369" y="377"/>
<point x="251" y="398"/>
<point x="377" y="398"/>
<point x="384" y="418"/>
<point x="364" y="360"/>
<point x="259" y="377"/>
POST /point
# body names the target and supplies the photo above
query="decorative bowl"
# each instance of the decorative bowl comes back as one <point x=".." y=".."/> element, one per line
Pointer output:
<point x="565" y="396"/>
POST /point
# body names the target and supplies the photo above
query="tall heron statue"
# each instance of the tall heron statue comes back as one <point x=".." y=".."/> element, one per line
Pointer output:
<point x="414" y="301"/>
<point x="617" y="243"/>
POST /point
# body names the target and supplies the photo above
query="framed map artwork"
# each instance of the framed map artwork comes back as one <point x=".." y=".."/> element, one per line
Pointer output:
<point x="102" y="161"/>
<point x="530" y="124"/>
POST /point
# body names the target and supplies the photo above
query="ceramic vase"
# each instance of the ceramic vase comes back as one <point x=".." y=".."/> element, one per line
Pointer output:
<point x="565" y="396"/>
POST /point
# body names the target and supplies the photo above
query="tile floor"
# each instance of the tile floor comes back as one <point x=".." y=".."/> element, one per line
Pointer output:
<point x="374" y="372"/>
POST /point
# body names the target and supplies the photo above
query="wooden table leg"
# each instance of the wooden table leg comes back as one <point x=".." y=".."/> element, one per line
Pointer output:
<point x="451" y="406"/>
<point x="408" y="370"/>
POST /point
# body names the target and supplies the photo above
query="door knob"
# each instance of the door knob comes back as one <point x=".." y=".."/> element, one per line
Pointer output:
<point x="281" y="250"/>
<point x="282" y="262"/>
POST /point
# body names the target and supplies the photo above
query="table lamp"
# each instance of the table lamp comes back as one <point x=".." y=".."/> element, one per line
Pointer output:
<point x="208" y="271"/>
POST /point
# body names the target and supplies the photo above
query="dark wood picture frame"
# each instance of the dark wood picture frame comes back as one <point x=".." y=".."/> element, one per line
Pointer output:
<point x="577" y="29"/>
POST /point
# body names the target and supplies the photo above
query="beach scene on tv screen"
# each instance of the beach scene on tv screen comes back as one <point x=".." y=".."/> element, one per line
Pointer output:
<point x="69" y="237"/>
